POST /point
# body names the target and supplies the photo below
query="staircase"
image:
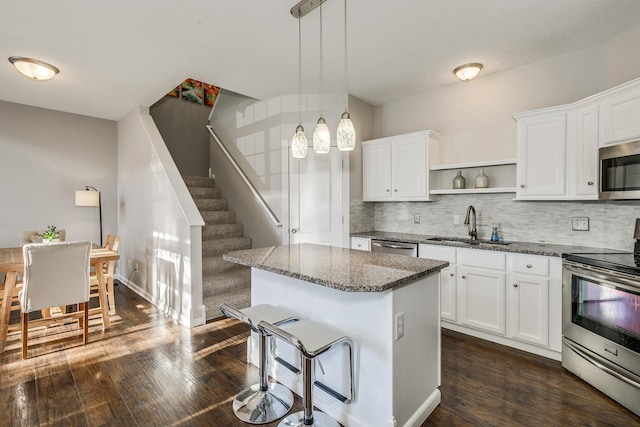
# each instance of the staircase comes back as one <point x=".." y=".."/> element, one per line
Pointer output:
<point x="222" y="281"/>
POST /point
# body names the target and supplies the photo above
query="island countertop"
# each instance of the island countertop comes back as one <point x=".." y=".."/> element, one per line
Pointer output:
<point x="338" y="268"/>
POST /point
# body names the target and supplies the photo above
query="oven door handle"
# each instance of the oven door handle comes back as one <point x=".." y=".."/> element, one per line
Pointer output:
<point x="618" y="281"/>
<point x="600" y="366"/>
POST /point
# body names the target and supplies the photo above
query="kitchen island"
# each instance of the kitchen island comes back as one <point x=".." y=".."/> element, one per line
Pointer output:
<point x="387" y="304"/>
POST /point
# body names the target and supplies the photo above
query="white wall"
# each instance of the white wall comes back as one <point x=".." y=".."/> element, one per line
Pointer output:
<point x="160" y="226"/>
<point x="46" y="156"/>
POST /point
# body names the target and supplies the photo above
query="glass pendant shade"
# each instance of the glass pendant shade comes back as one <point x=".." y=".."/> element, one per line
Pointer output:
<point x="299" y="144"/>
<point x="321" y="137"/>
<point x="346" y="133"/>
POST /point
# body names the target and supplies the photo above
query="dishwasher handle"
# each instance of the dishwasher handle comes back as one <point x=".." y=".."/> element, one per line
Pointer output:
<point x="392" y="245"/>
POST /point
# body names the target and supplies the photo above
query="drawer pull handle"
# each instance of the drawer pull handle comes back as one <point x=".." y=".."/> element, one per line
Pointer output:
<point x="529" y="266"/>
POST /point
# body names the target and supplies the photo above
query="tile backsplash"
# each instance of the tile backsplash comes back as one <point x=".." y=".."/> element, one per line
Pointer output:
<point x="611" y="223"/>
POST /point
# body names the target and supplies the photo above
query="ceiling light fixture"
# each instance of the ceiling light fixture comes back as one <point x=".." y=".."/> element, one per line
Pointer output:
<point x="468" y="72"/>
<point x="346" y="131"/>
<point x="299" y="140"/>
<point x="321" y="135"/>
<point x="33" y="68"/>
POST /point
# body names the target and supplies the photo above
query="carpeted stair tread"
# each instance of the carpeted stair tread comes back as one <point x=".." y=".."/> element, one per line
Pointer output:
<point x="205" y="192"/>
<point x="215" y="264"/>
<point x="240" y="298"/>
<point x="205" y="205"/>
<point x="219" y="217"/>
<point x="220" y="283"/>
<point x="222" y="246"/>
<point x="199" y="181"/>
<point x="221" y="231"/>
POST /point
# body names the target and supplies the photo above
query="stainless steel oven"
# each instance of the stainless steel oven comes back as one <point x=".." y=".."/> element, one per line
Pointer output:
<point x="620" y="171"/>
<point x="601" y="323"/>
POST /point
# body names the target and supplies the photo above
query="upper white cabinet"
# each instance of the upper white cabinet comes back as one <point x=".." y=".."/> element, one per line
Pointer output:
<point x="619" y="113"/>
<point x="397" y="168"/>
<point x="585" y="154"/>
<point x="542" y="155"/>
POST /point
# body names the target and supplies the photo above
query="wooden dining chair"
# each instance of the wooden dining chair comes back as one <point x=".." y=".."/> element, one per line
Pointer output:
<point x="112" y="243"/>
<point x="56" y="274"/>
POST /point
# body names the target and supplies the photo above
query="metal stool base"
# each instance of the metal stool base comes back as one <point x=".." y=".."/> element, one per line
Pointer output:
<point x="259" y="407"/>
<point x="320" y="419"/>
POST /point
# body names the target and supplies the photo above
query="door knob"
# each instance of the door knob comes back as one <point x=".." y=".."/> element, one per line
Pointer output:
<point x="294" y="230"/>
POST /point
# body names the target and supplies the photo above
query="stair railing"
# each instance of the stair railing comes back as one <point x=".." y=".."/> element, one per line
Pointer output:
<point x="265" y="207"/>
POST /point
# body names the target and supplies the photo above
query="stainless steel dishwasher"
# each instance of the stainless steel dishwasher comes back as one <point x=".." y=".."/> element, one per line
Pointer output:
<point x="387" y="247"/>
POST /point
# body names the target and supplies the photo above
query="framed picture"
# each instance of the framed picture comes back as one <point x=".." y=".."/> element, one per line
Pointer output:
<point x="210" y="94"/>
<point x="192" y="91"/>
<point x="174" y="92"/>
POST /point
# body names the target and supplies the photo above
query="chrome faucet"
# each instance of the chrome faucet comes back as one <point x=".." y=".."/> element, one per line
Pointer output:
<point x="470" y="220"/>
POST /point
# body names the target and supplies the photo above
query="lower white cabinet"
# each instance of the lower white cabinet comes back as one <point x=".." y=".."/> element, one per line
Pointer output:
<point x="482" y="299"/>
<point x="512" y="299"/>
<point x="361" y="243"/>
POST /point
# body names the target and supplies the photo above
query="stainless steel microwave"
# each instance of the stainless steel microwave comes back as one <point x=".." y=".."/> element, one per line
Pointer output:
<point x="620" y="171"/>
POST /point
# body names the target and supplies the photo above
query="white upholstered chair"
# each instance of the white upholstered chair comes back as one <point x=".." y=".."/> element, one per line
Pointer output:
<point x="56" y="274"/>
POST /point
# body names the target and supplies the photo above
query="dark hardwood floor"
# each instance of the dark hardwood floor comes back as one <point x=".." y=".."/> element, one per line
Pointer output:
<point x="147" y="370"/>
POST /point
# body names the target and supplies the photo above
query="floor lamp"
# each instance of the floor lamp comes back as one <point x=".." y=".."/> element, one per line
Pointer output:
<point x="90" y="196"/>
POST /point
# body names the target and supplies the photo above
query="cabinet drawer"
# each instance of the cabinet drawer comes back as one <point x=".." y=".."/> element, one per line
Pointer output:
<point x="361" y="243"/>
<point x="441" y="253"/>
<point x="481" y="259"/>
<point x="529" y="264"/>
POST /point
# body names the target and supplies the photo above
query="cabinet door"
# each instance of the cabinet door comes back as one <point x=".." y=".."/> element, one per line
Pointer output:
<point x="542" y="156"/>
<point x="410" y="169"/>
<point x="482" y="299"/>
<point x="376" y="168"/>
<point x="448" y="294"/>
<point x="586" y="153"/>
<point x="619" y="117"/>
<point x="528" y="308"/>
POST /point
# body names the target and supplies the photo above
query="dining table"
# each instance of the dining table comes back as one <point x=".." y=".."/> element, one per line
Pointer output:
<point x="12" y="264"/>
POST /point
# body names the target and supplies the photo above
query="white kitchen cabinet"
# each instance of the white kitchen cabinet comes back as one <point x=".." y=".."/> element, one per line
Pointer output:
<point x="528" y="308"/>
<point x="542" y="155"/>
<point x="619" y="112"/>
<point x="448" y="278"/>
<point x="397" y="168"/>
<point x="361" y="243"/>
<point x="482" y="299"/>
<point x="586" y="153"/>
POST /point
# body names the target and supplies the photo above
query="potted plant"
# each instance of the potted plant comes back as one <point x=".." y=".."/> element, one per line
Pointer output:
<point x="51" y="234"/>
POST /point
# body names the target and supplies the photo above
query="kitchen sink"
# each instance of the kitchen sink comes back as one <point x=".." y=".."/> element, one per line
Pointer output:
<point x="463" y="241"/>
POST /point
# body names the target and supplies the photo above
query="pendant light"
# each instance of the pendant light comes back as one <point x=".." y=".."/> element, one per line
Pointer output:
<point x="346" y="131"/>
<point x="299" y="141"/>
<point x="321" y="136"/>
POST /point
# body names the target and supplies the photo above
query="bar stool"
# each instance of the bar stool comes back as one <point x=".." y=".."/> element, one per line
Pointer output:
<point x="312" y="339"/>
<point x="264" y="402"/>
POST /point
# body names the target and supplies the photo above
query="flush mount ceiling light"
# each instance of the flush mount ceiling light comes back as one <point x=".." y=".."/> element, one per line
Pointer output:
<point x="33" y="68"/>
<point x="468" y="72"/>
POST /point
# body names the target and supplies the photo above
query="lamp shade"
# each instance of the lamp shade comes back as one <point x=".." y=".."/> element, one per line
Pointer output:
<point x="33" y="68"/>
<point x="468" y="72"/>
<point x="87" y="198"/>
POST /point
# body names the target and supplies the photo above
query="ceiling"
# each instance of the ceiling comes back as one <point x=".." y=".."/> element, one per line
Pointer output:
<point x="119" y="54"/>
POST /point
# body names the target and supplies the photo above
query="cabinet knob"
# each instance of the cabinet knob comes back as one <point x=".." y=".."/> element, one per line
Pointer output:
<point x="521" y="185"/>
<point x="590" y="183"/>
<point x="396" y="190"/>
<point x="388" y="190"/>
<point x="294" y="230"/>
<point x="464" y="277"/>
<point x="515" y="285"/>
<point x="451" y="274"/>
<point x="529" y="266"/>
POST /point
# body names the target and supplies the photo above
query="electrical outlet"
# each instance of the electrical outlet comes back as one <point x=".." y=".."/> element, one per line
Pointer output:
<point x="416" y="218"/>
<point x="399" y="325"/>
<point x="580" y="223"/>
<point x="456" y="219"/>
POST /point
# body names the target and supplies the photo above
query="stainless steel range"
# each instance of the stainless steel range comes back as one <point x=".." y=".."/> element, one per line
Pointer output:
<point x="601" y="322"/>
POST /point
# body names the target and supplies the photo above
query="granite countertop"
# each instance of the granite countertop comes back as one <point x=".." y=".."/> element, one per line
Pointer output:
<point x="545" y="249"/>
<point x="338" y="268"/>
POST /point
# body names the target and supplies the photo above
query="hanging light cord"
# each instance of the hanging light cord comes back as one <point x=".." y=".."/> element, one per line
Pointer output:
<point x="346" y="96"/>
<point x="321" y="69"/>
<point x="299" y="67"/>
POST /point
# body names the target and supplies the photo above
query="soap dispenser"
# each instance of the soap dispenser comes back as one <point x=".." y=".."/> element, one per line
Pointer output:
<point x="495" y="237"/>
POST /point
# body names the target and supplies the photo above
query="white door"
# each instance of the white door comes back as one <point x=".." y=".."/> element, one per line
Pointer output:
<point x="315" y="210"/>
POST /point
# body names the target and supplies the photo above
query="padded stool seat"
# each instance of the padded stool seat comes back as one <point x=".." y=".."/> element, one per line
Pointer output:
<point x="312" y="339"/>
<point x="264" y="402"/>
